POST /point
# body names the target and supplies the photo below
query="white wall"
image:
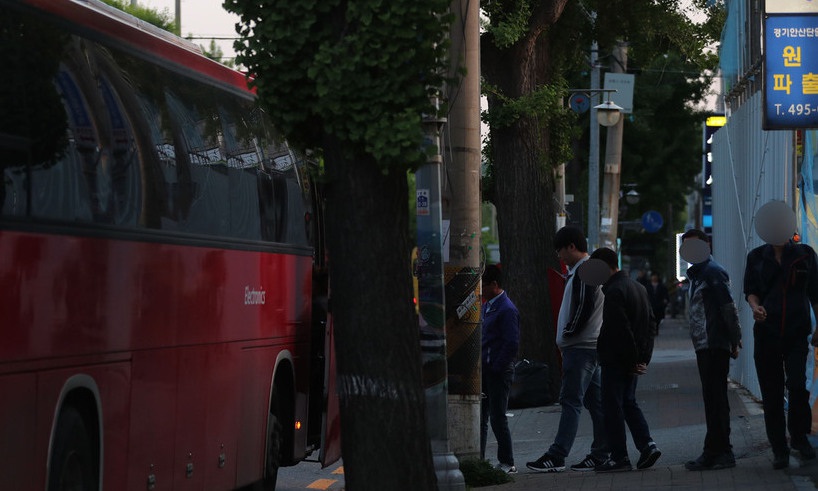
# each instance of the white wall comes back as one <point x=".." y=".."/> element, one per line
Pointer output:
<point x="750" y="168"/>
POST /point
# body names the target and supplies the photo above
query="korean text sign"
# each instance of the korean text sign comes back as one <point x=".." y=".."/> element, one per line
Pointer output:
<point x="790" y="71"/>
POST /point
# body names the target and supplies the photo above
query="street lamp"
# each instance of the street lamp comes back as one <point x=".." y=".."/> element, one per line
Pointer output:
<point x="608" y="113"/>
<point x="632" y="197"/>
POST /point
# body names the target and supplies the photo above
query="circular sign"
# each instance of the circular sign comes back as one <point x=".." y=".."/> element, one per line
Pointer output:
<point x="579" y="102"/>
<point x="652" y="221"/>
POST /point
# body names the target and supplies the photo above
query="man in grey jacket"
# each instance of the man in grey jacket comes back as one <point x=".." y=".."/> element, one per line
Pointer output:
<point x="580" y="319"/>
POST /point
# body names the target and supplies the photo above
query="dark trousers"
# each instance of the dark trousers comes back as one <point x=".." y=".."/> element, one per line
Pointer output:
<point x="714" y="366"/>
<point x="493" y="406"/>
<point x="783" y="363"/>
<point x="620" y="407"/>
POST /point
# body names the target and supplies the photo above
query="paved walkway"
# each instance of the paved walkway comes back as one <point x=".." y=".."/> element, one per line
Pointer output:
<point x="670" y="397"/>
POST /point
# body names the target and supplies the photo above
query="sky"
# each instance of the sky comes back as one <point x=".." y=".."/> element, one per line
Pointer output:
<point x="201" y="18"/>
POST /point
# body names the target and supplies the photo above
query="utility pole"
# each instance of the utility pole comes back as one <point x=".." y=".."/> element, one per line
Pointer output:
<point x="461" y="206"/>
<point x="613" y="163"/>
<point x="593" y="152"/>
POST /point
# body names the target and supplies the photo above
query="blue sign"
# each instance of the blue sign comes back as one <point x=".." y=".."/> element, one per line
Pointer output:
<point x="652" y="221"/>
<point x="790" y="71"/>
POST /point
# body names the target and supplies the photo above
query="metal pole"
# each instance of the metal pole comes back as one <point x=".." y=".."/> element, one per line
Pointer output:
<point x="613" y="165"/>
<point x="433" y="311"/>
<point x="179" y="16"/>
<point x="593" y="154"/>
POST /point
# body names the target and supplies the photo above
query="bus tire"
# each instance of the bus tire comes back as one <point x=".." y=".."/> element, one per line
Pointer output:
<point x="275" y="437"/>
<point x="73" y="464"/>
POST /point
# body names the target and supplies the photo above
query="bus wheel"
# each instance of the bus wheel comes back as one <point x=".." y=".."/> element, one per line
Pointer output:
<point x="275" y="436"/>
<point x="73" y="465"/>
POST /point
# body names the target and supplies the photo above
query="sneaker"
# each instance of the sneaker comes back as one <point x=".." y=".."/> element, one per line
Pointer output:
<point x="547" y="463"/>
<point x="614" y="466"/>
<point x="805" y="449"/>
<point x="588" y="464"/>
<point x="781" y="460"/>
<point x="648" y="456"/>
<point x="508" y="469"/>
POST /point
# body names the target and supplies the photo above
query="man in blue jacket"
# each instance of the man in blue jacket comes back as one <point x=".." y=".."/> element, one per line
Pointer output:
<point x="501" y="340"/>
<point x="716" y="336"/>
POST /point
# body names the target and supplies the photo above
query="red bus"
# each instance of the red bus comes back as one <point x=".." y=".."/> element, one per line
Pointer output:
<point x="163" y="321"/>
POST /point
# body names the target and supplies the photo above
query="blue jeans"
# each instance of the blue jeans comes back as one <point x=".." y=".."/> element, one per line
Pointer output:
<point x="581" y="386"/>
<point x="493" y="406"/>
<point x="619" y="401"/>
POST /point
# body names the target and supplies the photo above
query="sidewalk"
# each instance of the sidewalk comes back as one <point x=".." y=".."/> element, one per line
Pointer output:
<point x="670" y="397"/>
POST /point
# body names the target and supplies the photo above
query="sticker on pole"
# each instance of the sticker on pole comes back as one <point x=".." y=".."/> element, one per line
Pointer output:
<point x="422" y="202"/>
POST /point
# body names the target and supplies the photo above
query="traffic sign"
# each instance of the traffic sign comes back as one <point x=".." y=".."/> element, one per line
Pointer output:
<point x="652" y="221"/>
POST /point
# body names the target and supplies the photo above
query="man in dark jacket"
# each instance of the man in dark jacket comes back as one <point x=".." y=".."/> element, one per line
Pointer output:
<point x="780" y="284"/>
<point x="716" y="335"/>
<point x="625" y="346"/>
<point x="501" y="340"/>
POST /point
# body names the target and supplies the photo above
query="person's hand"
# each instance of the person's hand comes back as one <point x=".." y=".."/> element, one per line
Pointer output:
<point x="759" y="313"/>
<point x="736" y="349"/>
<point x="640" y="369"/>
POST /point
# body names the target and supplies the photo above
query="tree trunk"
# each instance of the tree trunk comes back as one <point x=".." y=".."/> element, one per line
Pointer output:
<point x="524" y="188"/>
<point x="385" y="443"/>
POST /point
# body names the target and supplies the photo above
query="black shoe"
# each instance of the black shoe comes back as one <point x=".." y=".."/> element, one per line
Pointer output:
<point x="781" y="460"/>
<point x="547" y="463"/>
<point x="614" y="466"/>
<point x="648" y="456"/>
<point x="805" y="449"/>
<point x="707" y="462"/>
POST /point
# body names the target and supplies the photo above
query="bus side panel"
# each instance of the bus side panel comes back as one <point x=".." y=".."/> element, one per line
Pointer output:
<point x="110" y="386"/>
<point x="222" y="398"/>
<point x="17" y="425"/>
<point x="153" y="421"/>
<point x="190" y="457"/>
<point x="256" y="364"/>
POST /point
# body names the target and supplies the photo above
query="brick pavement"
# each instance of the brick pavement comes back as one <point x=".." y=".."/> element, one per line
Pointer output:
<point x="670" y="397"/>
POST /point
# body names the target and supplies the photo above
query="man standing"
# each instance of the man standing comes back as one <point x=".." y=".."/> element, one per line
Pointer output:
<point x="625" y="347"/>
<point x="716" y="335"/>
<point x="657" y="292"/>
<point x="780" y="284"/>
<point x="580" y="318"/>
<point x="501" y="339"/>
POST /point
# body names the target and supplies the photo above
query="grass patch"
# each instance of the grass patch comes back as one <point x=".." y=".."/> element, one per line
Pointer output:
<point x="477" y="473"/>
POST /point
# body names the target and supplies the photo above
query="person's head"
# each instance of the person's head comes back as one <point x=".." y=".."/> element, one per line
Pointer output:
<point x="654" y="278"/>
<point x="492" y="282"/>
<point x="608" y="256"/>
<point x="695" y="246"/>
<point x="695" y="233"/>
<point x="571" y="245"/>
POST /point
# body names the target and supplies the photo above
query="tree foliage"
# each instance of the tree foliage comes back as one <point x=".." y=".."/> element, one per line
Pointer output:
<point x="159" y="18"/>
<point x="364" y="72"/>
